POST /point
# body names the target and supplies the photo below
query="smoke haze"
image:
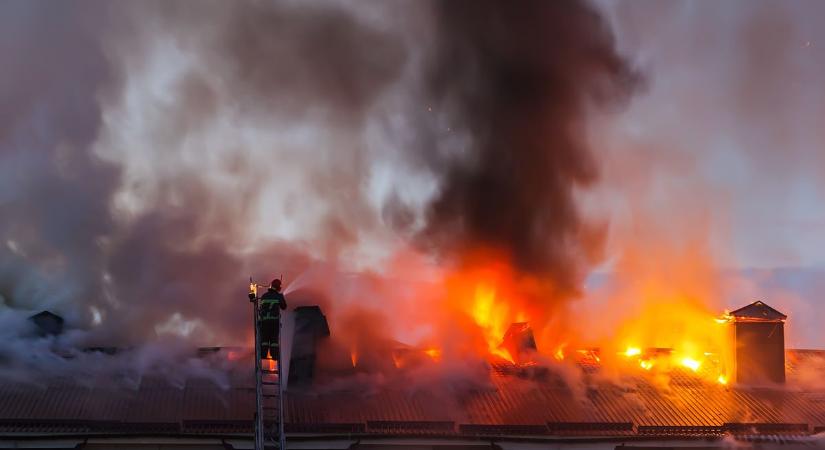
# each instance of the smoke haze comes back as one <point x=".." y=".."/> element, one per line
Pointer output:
<point x="154" y="155"/>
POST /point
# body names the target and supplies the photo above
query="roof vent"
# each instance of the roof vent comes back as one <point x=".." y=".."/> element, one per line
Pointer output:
<point x="310" y="329"/>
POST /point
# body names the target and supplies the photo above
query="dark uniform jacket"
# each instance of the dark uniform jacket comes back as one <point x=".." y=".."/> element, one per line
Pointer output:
<point x="272" y="302"/>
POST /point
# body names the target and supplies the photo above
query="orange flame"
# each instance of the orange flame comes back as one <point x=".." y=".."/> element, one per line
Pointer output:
<point x="492" y="317"/>
<point x="489" y="293"/>
<point x="433" y="353"/>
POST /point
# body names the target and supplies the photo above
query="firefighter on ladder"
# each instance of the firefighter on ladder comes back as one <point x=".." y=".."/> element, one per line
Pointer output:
<point x="272" y="302"/>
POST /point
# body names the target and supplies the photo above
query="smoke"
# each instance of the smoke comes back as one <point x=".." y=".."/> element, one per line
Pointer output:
<point x="720" y="152"/>
<point x="154" y="155"/>
<point x="518" y="83"/>
<point x="54" y="192"/>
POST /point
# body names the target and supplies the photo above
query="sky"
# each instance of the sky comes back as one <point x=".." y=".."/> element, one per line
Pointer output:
<point x="723" y="147"/>
<point x="730" y="122"/>
<point x="154" y="152"/>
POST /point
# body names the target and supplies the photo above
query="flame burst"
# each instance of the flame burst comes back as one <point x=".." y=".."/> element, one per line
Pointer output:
<point x="655" y="326"/>
<point x="492" y="317"/>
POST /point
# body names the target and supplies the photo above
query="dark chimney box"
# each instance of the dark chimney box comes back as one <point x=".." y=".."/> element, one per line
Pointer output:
<point x="47" y="323"/>
<point x="759" y="344"/>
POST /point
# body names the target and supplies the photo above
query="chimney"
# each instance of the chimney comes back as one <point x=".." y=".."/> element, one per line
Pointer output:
<point x="759" y="344"/>
<point x="47" y="323"/>
<point x="519" y="342"/>
<point x="310" y="329"/>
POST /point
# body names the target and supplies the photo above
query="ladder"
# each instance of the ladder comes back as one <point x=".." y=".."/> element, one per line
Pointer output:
<point x="269" y="392"/>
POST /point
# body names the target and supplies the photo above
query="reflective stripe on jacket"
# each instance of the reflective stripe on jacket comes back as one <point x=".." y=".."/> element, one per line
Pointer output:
<point x="272" y="303"/>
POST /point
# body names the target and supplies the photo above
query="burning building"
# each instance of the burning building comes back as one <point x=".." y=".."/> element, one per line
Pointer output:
<point x="509" y="407"/>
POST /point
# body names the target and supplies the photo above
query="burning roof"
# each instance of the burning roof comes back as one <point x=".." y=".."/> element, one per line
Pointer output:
<point x="574" y="394"/>
<point x="514" y="401"/>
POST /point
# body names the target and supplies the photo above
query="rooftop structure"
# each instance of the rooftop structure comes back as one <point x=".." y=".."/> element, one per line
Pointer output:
<point x="511" y="404"/>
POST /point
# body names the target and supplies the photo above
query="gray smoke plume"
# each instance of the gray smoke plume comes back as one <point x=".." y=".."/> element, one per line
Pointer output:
<point x="53" y="192"/>
<point x="132" y="253"/>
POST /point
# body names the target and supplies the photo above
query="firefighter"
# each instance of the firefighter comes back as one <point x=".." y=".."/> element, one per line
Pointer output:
<point x="272" y="302"/>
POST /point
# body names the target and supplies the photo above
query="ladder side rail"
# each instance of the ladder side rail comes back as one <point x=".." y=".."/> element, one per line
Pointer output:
<point x="259" y="420"/>
<point x="281" y="436"/>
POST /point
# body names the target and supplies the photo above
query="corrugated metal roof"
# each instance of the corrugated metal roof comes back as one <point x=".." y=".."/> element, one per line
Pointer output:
<point x="507" y="404"/>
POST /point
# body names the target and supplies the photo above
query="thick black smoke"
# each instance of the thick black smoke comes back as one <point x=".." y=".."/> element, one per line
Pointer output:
<point x="519" y="79"/>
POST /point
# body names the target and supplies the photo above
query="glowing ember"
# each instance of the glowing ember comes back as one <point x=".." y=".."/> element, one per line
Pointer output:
<point x="646" y="364"/>
<point x="433" y="353"/>
<point x="353" y="354"/>
<point x="559" y="355"/>
<point x="724" y="318"/>
<point x="723" y="380"/>
<point x="691" y="363"/>
<point x="632" y="351"/>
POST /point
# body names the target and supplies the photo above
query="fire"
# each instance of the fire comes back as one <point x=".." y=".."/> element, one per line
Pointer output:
<point x="691" y="363"/>
<point x="489" y="293"/>
<point x="633" y="351"/>
<point x="353" y="355"/>
<point x="491" y="316"/>
<point x="433" y="353"/>
<point x="660" y="319"/>
<point x="677" y="333"/>
<point x="559" y="354"/>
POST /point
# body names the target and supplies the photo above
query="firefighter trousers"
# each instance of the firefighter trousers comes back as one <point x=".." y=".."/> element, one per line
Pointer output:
<point x="269" y="338"/>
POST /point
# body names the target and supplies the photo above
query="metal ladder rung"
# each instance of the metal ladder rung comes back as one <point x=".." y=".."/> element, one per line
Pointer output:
<point x="270" y="383"/>
<point x="271" y="372"/>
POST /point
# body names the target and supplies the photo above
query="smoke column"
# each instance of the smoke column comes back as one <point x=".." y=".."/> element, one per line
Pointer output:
<point x="519" y="82"/>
